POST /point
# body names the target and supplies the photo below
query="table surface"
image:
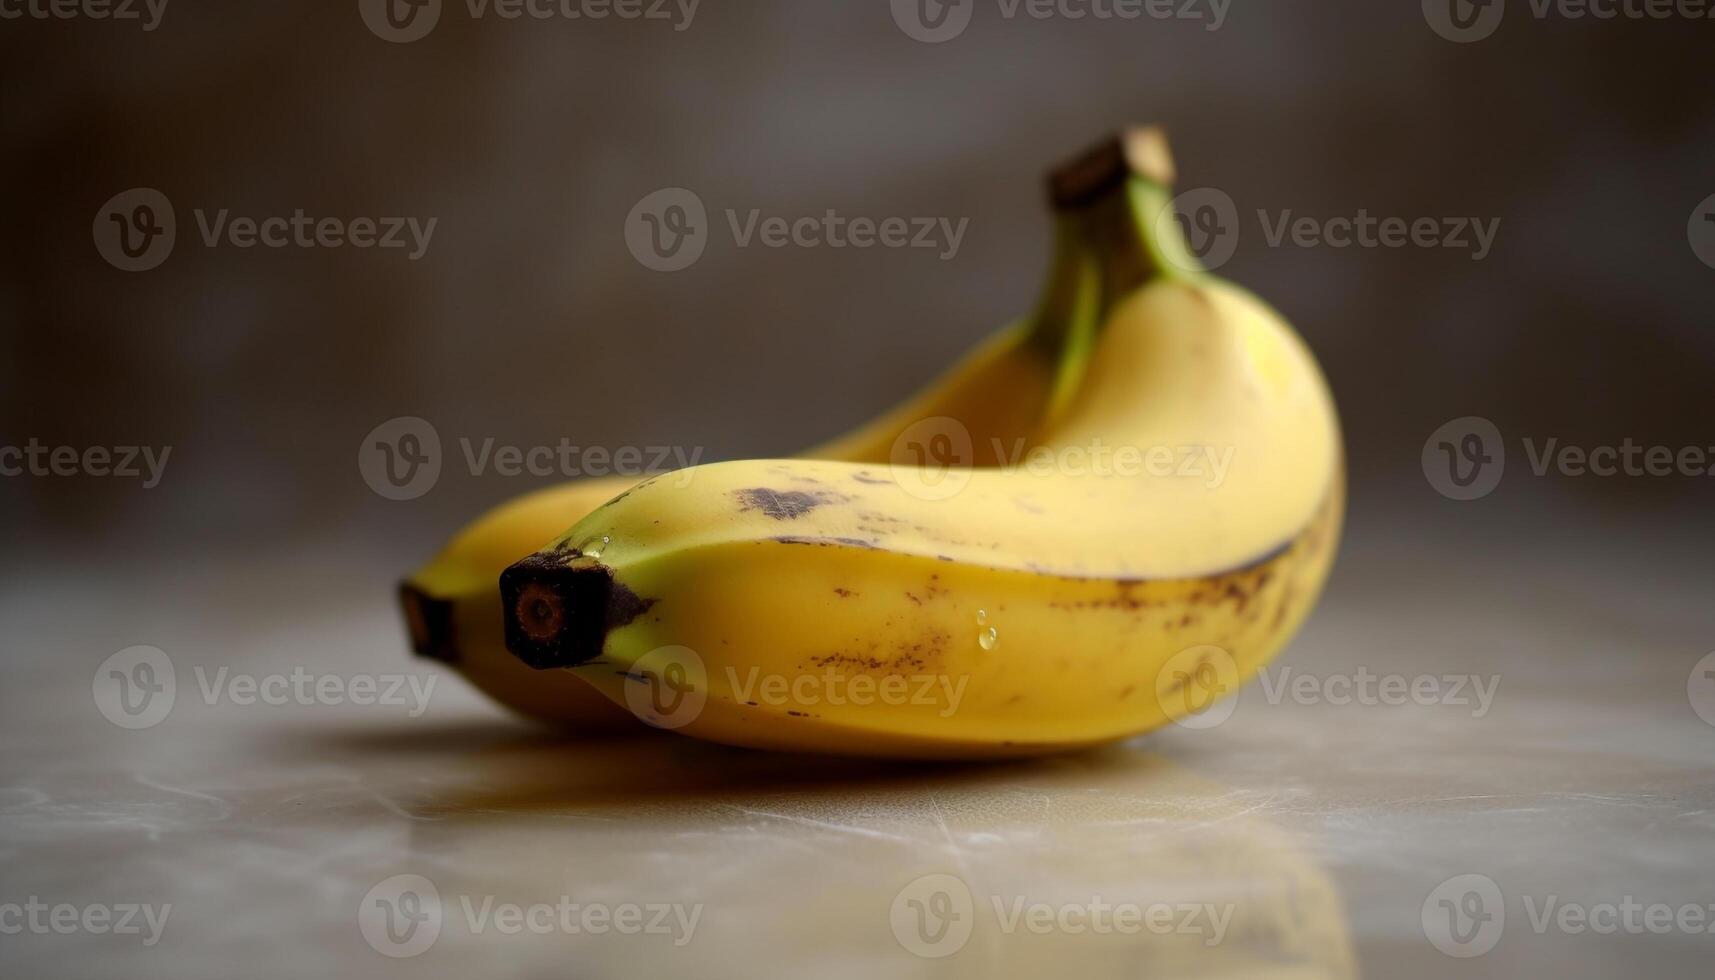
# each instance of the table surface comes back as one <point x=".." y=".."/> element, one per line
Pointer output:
<point x="1309" y="834"/>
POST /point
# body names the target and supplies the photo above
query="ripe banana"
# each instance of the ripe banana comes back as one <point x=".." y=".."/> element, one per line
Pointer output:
<point x="985" y="611"/>
<point x="1000" y="392"/>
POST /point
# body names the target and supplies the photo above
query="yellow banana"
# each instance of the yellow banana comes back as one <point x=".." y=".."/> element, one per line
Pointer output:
<point x="1162" y="536"/>
<point x="998" y="393"/>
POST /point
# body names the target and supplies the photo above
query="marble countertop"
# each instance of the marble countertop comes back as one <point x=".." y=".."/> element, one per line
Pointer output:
<point x="1540" y="801"/>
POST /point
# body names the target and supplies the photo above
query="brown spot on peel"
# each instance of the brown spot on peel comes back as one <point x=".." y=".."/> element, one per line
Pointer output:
<point x="782" y="505"/>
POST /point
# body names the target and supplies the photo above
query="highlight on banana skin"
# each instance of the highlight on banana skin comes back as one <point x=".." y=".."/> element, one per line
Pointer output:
<point x="1103" y="518"/>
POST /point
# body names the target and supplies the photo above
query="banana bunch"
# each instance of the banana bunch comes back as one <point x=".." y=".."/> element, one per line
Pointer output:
<point x="998" y="394"/>
<point x="1153" y="533"/>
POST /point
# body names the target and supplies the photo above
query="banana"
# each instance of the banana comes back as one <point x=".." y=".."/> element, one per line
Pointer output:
<point x="1165" y="533"/>
<point x="998" y="393"/>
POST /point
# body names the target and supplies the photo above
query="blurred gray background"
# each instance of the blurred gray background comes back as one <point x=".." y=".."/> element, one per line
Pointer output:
<point x="528" y="320"/>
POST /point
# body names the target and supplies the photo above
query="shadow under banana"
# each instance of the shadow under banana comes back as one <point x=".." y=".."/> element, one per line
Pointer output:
<point x="1112" y="863"/>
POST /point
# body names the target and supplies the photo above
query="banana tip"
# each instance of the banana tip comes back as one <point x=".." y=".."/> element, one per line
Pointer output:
<point x="429" y="623"/>
<point x="559" y="611"/>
